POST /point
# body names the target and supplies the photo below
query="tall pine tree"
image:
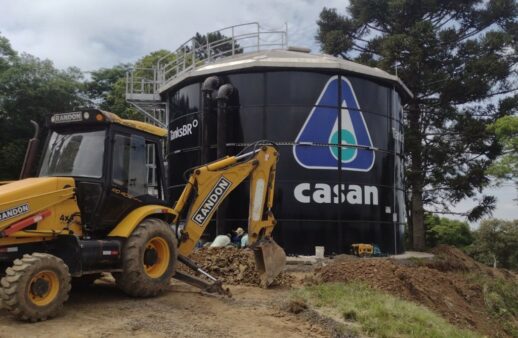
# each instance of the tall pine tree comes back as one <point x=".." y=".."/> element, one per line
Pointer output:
<point x="459" y="59"/>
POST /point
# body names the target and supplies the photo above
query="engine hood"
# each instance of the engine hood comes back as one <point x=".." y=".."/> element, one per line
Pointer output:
<point x="20" y="199"/>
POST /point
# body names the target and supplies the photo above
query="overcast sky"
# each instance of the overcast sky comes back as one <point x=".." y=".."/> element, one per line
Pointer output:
<point x="91" y="34"/>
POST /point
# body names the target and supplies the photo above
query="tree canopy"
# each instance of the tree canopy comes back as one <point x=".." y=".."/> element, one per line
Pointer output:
<point x="496" y="243"/>
<point x="101" y="85"/>
<point x="106" y="89"/>
<point x="30" y="88"/>
<point x="221" y="45"/>
<point x="107" y="86"/>
<point x="7" y="54"/>
<point x="506" y="167"/>
<point x="442" y="230"/>
<point x="459" y="59"/>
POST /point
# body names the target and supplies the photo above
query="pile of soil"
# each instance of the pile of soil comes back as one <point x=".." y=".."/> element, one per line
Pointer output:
<point x="232" y="266"/>
<point x="448" y="258"/>
<point x="440" y="284"/>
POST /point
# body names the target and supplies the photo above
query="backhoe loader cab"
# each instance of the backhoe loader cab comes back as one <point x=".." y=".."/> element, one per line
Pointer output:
<point x="116" y="164"/>
<point x="99" y="204"/>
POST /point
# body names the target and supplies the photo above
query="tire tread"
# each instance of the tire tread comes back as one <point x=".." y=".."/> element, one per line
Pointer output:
<point x="133" y="280"/>
<point x="14" y="283"/>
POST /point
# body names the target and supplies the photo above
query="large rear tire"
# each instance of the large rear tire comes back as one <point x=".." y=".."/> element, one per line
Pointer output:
<point x="148" y="259"/>
<point x="35" y="287"/>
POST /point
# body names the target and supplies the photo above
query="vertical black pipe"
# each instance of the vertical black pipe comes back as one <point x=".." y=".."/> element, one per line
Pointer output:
<point x="341" y="189"/>
<point x="224" y="94"/>
<point x="209" y="86"/>
<point x="30" y="154"/>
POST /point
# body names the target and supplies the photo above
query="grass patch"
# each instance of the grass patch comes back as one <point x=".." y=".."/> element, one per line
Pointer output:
<point x="416" y="261"/>
<point x="379" y="314"/>
<point x="501" y="298"/>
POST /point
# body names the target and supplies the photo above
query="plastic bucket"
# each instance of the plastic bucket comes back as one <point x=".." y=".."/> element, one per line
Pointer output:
<point x="319" y="252"/>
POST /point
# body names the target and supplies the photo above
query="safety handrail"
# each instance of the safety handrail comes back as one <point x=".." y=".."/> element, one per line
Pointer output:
<point x="237" y="39"/>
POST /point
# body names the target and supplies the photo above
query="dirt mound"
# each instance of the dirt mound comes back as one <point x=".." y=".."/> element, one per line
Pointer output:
<point x="433" y="284"/>
<point x="232" y="266"/>
<point x="448" y="258"/>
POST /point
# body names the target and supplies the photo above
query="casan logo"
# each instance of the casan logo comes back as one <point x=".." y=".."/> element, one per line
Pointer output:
<point x="182" y="131"/>
<point x="315" y="147"/>
<point x="325" y="194"/>
<point x="321" y="128"/>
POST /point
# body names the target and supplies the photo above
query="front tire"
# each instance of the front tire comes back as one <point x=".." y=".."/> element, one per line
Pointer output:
<point x="35" y="287"/>
<point x="148" y="259"/>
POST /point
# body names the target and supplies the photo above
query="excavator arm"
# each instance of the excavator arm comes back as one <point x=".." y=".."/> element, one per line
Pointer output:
<point x="210" y="184"/>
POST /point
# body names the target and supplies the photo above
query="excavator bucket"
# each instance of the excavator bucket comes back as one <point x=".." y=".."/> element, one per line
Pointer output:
<point x="270" y="260"/>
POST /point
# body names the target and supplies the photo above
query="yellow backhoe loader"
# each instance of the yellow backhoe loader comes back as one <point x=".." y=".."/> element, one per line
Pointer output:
<point x="99" y="204"/>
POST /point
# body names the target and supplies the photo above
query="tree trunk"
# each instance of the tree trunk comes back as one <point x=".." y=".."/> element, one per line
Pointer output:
<point x="416" y="177"/>
<point x="418" y="220"/>
<point x="410" y="227"/>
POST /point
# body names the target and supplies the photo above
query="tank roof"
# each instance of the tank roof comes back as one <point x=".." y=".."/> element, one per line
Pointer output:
<point x="285" y="59"/>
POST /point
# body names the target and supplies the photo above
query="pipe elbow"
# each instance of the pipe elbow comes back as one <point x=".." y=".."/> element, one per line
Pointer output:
<point x="210" y="84"/>
<point x="225" y="91"/>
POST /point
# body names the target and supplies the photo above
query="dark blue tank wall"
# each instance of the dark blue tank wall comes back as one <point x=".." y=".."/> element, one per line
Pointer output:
<point x="326" y="193"/>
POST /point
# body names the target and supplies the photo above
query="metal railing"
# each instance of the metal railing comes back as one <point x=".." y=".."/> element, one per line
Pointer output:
<point x="229" y="41"/>
<point x="144" y="83"/>
<point x="141" y="82"/>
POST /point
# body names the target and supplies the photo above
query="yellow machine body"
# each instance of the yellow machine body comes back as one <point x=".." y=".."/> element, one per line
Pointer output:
<point x="42" y="216"/>
<point x="111" y="218"/>
<point x="134" y="218"/>
<point x="56" y="197"/>
<point x="211" y="184"/>
<point x="362" y="249"/>
<point x="21" y="199"/>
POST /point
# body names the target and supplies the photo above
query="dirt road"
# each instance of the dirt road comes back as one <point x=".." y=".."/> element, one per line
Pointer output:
<point x="103" y="311"/>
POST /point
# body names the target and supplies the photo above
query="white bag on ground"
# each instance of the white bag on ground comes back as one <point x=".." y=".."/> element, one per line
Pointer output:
<point x="220" y="241"/>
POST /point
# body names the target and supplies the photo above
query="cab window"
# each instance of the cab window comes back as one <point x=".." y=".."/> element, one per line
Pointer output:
<point x="77" y="154"/>
<point x="152" y="170"/>
<point x="135" y="168"/>
<point x="129" y="164"/>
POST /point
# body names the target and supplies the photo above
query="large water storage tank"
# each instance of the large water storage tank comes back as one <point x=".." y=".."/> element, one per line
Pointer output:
<point x="311" y="106"/>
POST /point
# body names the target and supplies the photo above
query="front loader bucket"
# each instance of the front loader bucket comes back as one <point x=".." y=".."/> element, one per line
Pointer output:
<point x="270" y="260"/>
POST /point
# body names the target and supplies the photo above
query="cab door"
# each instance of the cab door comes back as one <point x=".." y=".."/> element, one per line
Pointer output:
<point x="134" y="178"/>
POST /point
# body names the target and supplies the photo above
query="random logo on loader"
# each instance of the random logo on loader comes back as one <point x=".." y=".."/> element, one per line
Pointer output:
<point x="211" y="202"/>
<point x="322" y="129"/>
<point x="13" y="212"/>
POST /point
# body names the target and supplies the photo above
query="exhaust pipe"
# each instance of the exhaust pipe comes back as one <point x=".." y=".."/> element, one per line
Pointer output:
<point x="30" y="154"/>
